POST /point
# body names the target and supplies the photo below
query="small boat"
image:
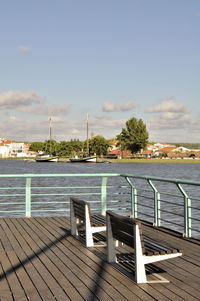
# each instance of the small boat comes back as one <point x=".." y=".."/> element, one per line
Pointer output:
<point x="105" y="161"/>
<point x="43" y="157"/>
<point x="87" y="158"/>
<point x="91" y="159"/>
<point x="46" y="158"/>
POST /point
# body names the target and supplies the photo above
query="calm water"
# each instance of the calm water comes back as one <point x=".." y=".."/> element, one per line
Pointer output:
<point x="165" y="170"/>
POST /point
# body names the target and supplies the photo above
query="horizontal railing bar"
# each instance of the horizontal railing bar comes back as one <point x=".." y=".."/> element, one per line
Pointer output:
<point x="195" y="219"/>
<point x="12" y="195"/>
<point x="59" y="175"/>
<point x="146" y="206"/>
<point x="175" y="204"/>
<point x="173" y="223"/>
<point x="194" y="199"/>
<point x="195" y="230"/>
<point x="16" y="211"/>
<point x="169" y="180"/>
<point x="195" y="208"/>
<point x="144" y="196"/>
<point x="12" y="188"/>
<point x="146" y="190"/>
<point x="67" y="194"/>
<point x="52" y="210"/>
<point x="172" y="213"/>
<point x="145" y="214"/>
<point x="51" y="202"/>
<point x="59" y="187"/>
<point x="17" y="203"/>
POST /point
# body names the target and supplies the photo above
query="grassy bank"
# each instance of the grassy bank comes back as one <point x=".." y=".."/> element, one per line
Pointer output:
<point x="192" y="161"/>
<point x="154" y="160"/>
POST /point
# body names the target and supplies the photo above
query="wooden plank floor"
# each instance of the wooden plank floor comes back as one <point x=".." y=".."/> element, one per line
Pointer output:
<point x="40" y="260"/>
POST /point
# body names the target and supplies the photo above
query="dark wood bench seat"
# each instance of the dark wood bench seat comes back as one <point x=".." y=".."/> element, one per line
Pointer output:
<point x="80" y="215"/>
<point x="129" y="231"/>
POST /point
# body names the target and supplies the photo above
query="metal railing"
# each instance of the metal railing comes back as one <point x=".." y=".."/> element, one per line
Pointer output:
<point x="165" y="202"/>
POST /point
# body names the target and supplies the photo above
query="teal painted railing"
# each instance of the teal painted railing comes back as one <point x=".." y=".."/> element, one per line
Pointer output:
<point x="165" y="202"/>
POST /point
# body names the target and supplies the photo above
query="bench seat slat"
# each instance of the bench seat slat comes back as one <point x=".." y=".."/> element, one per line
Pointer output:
<point x="98" y="220"/>
<point x="146" y="251"/>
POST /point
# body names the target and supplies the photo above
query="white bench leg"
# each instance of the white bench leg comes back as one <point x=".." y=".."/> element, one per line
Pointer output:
<point x="88" y="229"/>
<point x="140" y="273"/>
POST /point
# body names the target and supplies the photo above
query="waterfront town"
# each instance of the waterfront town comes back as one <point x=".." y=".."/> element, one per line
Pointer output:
<point x="13" y="149"/>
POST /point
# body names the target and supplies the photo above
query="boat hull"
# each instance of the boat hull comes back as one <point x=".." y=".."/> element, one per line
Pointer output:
<point x="46" y="159"/>
<point x="92" y="159"/>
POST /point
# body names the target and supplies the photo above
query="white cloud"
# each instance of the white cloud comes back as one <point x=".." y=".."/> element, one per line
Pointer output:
<point x="15" y="99"/>
<point x="168" y="105"/>
<point x="37" y="130"/>
<point x="24" y="49"/>
<point x="75" y="131"/>
<point x="118" y="107"/>
<point x="172" y="122"/>
<point x="30" y="102"/>
<point x="41" y="109"/>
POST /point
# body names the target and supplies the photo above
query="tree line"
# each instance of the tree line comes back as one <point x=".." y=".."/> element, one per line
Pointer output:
<point x="133" y="138"/>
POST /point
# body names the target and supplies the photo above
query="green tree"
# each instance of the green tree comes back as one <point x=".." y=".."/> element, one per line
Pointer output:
<point x="36" y="146"/>
<point x="65" y="149"/>
<point x="77" y="145"/>
<point x="54" y="147"/>
<point x="134" y="137"/>
<point x="98" y="145"/>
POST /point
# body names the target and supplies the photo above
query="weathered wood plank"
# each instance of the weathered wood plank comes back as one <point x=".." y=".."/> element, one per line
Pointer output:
<point x="63" y="259"/>
<point x="48" y="270"/>
<point x="40" y="260"/>
<point x="126" y="287"/>
<point x="84" y="271"/>
<point x="23" y="251"/>
<point x="131" y="285"/>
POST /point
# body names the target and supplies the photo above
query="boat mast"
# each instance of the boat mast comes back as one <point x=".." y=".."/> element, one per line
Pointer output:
<point x="87" y="137"/>
<point x="50" y="133"/>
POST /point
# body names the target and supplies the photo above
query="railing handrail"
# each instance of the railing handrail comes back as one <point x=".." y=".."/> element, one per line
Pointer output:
<point x="103" y="195"/>
<point x="59" y="175"/>
<point x="168" y="180"/>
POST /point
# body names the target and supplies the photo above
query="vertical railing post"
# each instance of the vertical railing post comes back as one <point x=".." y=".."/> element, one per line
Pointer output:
<point x="187" y="212"/>
<point x="104" y="195"/>
<point x="157" y="217"/>
<point x="133" y="198"/>
<point x="28" y="197"/>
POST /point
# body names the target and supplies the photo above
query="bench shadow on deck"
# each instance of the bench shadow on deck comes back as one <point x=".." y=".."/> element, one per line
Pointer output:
<point x="40" y="260"/>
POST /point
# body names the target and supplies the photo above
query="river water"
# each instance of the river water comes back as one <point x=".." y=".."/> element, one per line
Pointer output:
<point x="166" y="170"/>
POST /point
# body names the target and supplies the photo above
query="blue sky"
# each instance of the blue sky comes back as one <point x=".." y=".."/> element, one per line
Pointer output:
<point x="112" y="59"/>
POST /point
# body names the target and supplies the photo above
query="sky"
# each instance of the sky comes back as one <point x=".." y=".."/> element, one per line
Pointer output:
<point x="110" y="59"/>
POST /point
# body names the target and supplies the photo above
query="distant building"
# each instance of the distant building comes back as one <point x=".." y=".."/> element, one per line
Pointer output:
<point x="119" y="154"/>
<point x="9" y="148"/>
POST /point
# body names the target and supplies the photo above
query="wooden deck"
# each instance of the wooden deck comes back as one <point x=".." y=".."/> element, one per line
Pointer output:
<point x="40" y="260"/>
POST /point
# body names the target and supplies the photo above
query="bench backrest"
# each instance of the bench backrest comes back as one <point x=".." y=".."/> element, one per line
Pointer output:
<point x="79" y="208"/>
<point x="123" y="228"/>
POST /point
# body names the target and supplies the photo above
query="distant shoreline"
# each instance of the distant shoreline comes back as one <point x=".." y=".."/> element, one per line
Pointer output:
<point x="121" y="161"/>
<point x="132" y="161"/>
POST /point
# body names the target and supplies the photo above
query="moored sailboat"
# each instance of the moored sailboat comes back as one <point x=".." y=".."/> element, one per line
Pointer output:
<point x="87" y="158"/>
<point x="44" y="157"/>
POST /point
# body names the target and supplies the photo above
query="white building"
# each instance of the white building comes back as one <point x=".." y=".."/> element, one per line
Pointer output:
<point x="10" y="148"/>
<point x="4" y="151"/>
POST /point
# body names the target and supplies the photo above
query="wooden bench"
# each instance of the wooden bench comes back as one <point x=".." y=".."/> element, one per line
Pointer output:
<point x="128" y="231"/>
<point x="80" y="215"/>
